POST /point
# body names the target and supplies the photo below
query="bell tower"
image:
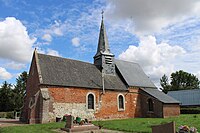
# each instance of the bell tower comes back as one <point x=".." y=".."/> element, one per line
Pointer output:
<point x="104" y="59"/>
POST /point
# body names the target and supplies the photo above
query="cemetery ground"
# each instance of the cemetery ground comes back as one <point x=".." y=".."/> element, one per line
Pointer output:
<point x="134" y="125"/>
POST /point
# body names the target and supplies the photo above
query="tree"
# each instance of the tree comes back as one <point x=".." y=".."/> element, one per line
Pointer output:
<point x="180" y="80"/>
<point x="164" y="83"/>
<point x="20" y="90"/>
<point x="6" y="97"/>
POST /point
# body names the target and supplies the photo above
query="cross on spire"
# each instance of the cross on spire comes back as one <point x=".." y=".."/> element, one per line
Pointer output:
<point x="102" y="12"/>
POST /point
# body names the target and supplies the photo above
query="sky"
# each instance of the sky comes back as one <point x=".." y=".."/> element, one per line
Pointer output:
<point x="162" y="36"/>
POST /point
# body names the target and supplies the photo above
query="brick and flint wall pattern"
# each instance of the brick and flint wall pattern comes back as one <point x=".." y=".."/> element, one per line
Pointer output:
<point x="73" y="101"/>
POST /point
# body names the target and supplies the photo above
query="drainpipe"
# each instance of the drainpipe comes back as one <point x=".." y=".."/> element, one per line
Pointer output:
<point x="103" y="84"/>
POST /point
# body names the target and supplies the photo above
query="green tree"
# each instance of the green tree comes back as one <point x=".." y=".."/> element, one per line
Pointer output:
<point x="165" y="84"/>
<point x="20" y="90"/>
<point x="6" y="97"/>
<point x="180" y="80"/>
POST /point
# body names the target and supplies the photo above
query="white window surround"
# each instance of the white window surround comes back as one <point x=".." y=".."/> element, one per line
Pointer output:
<point x="87" y="101"/>
<point x="120" y="109"/>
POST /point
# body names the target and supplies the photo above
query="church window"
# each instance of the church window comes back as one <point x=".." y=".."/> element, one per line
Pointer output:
<point x="90" y="101"/>
<point x="121" y="102"/>
<point x="150" y="104"/>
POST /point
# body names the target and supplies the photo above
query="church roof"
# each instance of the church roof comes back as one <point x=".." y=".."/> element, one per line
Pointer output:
<point x="160" y="95"/>
<point x="59" y="71"/>
<point x="133" y="74"/>
<point x="186" y="97"/>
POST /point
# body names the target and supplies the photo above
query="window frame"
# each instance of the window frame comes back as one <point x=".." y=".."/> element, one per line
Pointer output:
<point x="94" y="102"/>
<point x="150" y="105"/>
<point x="118" y="102"/>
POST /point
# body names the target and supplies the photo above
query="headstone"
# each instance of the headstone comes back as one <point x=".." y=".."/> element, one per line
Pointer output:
<point x="69" y="121"/>
<point x="164" y="128"/>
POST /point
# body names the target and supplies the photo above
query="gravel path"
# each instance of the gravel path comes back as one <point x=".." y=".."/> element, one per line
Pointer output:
<point x="10" y="122"/>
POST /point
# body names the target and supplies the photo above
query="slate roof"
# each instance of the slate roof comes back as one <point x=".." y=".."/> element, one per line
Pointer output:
<point x="133" y="74"/>
<point x="160" y="95"/>
<point x="67" y="72"/>
<point x="186" y="97"/>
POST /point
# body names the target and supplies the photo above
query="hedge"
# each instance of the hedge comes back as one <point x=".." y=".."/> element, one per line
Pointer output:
<point x="192" y="110"/>
<point x="7" y="115"/>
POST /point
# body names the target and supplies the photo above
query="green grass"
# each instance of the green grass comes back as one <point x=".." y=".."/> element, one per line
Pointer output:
<point x="34" y="128"/>
<point x="143" y="125"/>
<point x="135" y="125"/>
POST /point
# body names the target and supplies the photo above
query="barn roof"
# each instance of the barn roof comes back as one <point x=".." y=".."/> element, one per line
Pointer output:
<point x="186" y="97"/>
<point x="67" y="72"/>
<point x="133" y="74"/>
<point x="160" y="95"/>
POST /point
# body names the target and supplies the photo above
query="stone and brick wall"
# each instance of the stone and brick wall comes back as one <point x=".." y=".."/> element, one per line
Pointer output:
<point x="73" y="101"/>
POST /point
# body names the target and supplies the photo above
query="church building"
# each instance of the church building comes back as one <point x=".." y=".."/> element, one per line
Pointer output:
<point x="106" y="89"/>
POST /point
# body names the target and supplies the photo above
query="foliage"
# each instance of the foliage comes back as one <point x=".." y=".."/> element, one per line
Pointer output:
<point x="20" y="90"/>
<point x="11" y="98"/>
<point x="194" y="110"/>
<point x="6" y="97"/>
<point x="7" y="114"/>
<point x="164" y="83"/>
<point x="180" y="80"/>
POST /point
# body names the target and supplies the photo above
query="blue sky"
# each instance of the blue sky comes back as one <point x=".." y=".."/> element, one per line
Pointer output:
<point x="162" y="36"/>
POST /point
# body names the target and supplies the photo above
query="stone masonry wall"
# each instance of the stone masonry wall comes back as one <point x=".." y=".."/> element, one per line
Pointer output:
<point x="73" y="101"/>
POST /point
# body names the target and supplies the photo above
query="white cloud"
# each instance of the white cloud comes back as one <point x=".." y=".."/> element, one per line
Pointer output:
<point x="15" y="43"/>
<point x="48" y="52"/>
<point x="76" y="41"/>
<point x="4" y="75"/>
<point x="47" y="37"/>
<point x="52" y="52"/>
<point x="156" y="59"/>
<point x="15" y="66"/>
<point x="150" y="15"/>
<point x="198" y="75"/>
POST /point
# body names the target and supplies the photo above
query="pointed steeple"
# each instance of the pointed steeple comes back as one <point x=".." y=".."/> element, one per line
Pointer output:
<point x="104" y="59"/>
<point x="103" y="45"/>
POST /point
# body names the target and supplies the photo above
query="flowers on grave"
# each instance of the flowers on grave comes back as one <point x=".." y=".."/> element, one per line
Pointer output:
<point x="187" y="129"/>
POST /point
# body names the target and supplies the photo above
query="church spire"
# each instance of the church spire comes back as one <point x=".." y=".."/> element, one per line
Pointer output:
<point x="103" y="45"/>
<point x="104" y="59"/>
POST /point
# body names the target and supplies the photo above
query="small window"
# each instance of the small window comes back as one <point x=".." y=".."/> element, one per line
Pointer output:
<point x="90" y="101"/>
<point x="150" y="104"/>
<point x="121" y="105"/>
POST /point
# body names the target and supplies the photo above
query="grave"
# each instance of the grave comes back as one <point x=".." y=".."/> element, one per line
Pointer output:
<point x="72" y="126"/>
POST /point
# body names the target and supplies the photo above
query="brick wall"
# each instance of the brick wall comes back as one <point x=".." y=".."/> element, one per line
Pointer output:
<point x="106" y="104"/>
<point x="157" y="106"/>
<point x="31" y="115"/>
<point x="170" y="110"/>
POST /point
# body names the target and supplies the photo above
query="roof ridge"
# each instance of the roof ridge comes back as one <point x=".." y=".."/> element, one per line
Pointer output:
<point x="128" y="61"/>
<point x="65" y="58"/>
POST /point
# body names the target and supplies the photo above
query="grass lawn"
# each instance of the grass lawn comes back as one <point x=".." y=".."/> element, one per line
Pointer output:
<point x="136" y="125"/>
<point x="143" y="125"/>
<point x="34" y="128"/>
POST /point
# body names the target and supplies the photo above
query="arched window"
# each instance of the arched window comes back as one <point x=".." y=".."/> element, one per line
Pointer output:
<point x="150" y="104"/>
<point x="90" y="101"/>
<point x="121" y="105"/>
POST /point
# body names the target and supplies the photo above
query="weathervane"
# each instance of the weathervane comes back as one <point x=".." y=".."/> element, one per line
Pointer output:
<point x="102" y="13"/>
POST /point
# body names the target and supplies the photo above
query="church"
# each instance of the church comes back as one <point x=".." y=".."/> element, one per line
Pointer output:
<point x="106" y="89"/>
